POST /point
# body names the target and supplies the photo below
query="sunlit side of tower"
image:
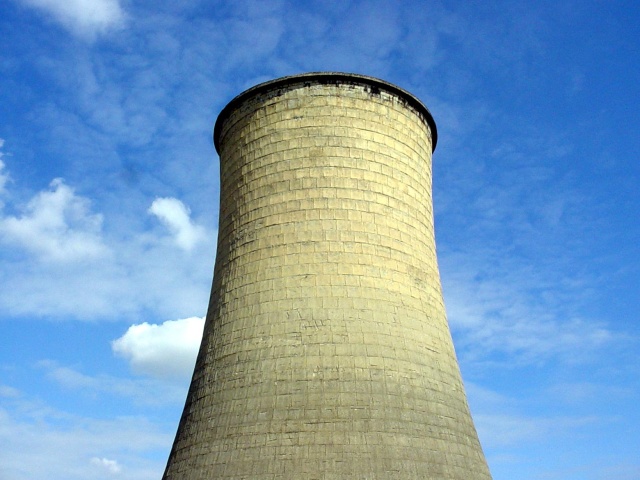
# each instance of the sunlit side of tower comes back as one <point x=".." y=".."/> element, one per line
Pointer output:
<point x="326" y="351"/>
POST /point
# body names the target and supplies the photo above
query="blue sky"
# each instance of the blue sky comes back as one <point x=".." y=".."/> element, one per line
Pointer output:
<point x="109" y="199"/>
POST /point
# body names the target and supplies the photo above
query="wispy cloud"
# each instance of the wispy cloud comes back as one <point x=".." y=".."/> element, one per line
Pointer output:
<point x="589" y="393"/>
<point x="510" y="311"/>
<point x="140" y="391"/>
<point x="4" y="176"/>
<point x="143" y="276"/>
<point x="86" y="18"/>
<point x="499" y="431"/>
<point x="9" y="392"/>
<point x="625" y="471"/>
<point x="57" y="445"/>
<point x="518" y="270"/>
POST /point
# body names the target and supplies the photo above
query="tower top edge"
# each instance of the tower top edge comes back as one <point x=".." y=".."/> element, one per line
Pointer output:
<point x="326" y="78"/>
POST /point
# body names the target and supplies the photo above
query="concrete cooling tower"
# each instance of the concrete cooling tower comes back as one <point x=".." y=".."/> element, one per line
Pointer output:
<point x="326" y="351"/>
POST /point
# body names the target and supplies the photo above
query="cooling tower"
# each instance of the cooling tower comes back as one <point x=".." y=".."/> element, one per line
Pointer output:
<point x="326" y="351"/>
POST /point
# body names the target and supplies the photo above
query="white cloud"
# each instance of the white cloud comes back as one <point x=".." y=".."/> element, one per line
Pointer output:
<point x="136" y="280"/>
<point x="82" y="17"/>
<point x="57" y="226"/>
<point x="135" y="274"/>
<point x="176" y="217"/>
<point x="110" y="466"/>
<point x="105" y="274"/>
<point x="166" y="350"/>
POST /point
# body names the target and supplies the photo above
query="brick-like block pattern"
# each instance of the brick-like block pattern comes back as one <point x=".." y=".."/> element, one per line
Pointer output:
<point x="326" y="352"/>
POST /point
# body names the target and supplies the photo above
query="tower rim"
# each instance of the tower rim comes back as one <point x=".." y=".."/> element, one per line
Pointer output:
<point x="326" y="78"/>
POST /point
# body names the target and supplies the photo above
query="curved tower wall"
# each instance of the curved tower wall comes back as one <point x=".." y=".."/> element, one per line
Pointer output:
<point x="326" y="351"/>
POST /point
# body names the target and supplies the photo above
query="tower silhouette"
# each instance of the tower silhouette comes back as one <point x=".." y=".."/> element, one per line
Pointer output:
<point x="326" y="352"/>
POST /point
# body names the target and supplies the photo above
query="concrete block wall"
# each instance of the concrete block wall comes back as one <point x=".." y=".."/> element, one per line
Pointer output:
<point x="326" y="352"/>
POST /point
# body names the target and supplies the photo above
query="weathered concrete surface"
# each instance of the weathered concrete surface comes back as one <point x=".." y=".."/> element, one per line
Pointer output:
<point x="326" y="351"/>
